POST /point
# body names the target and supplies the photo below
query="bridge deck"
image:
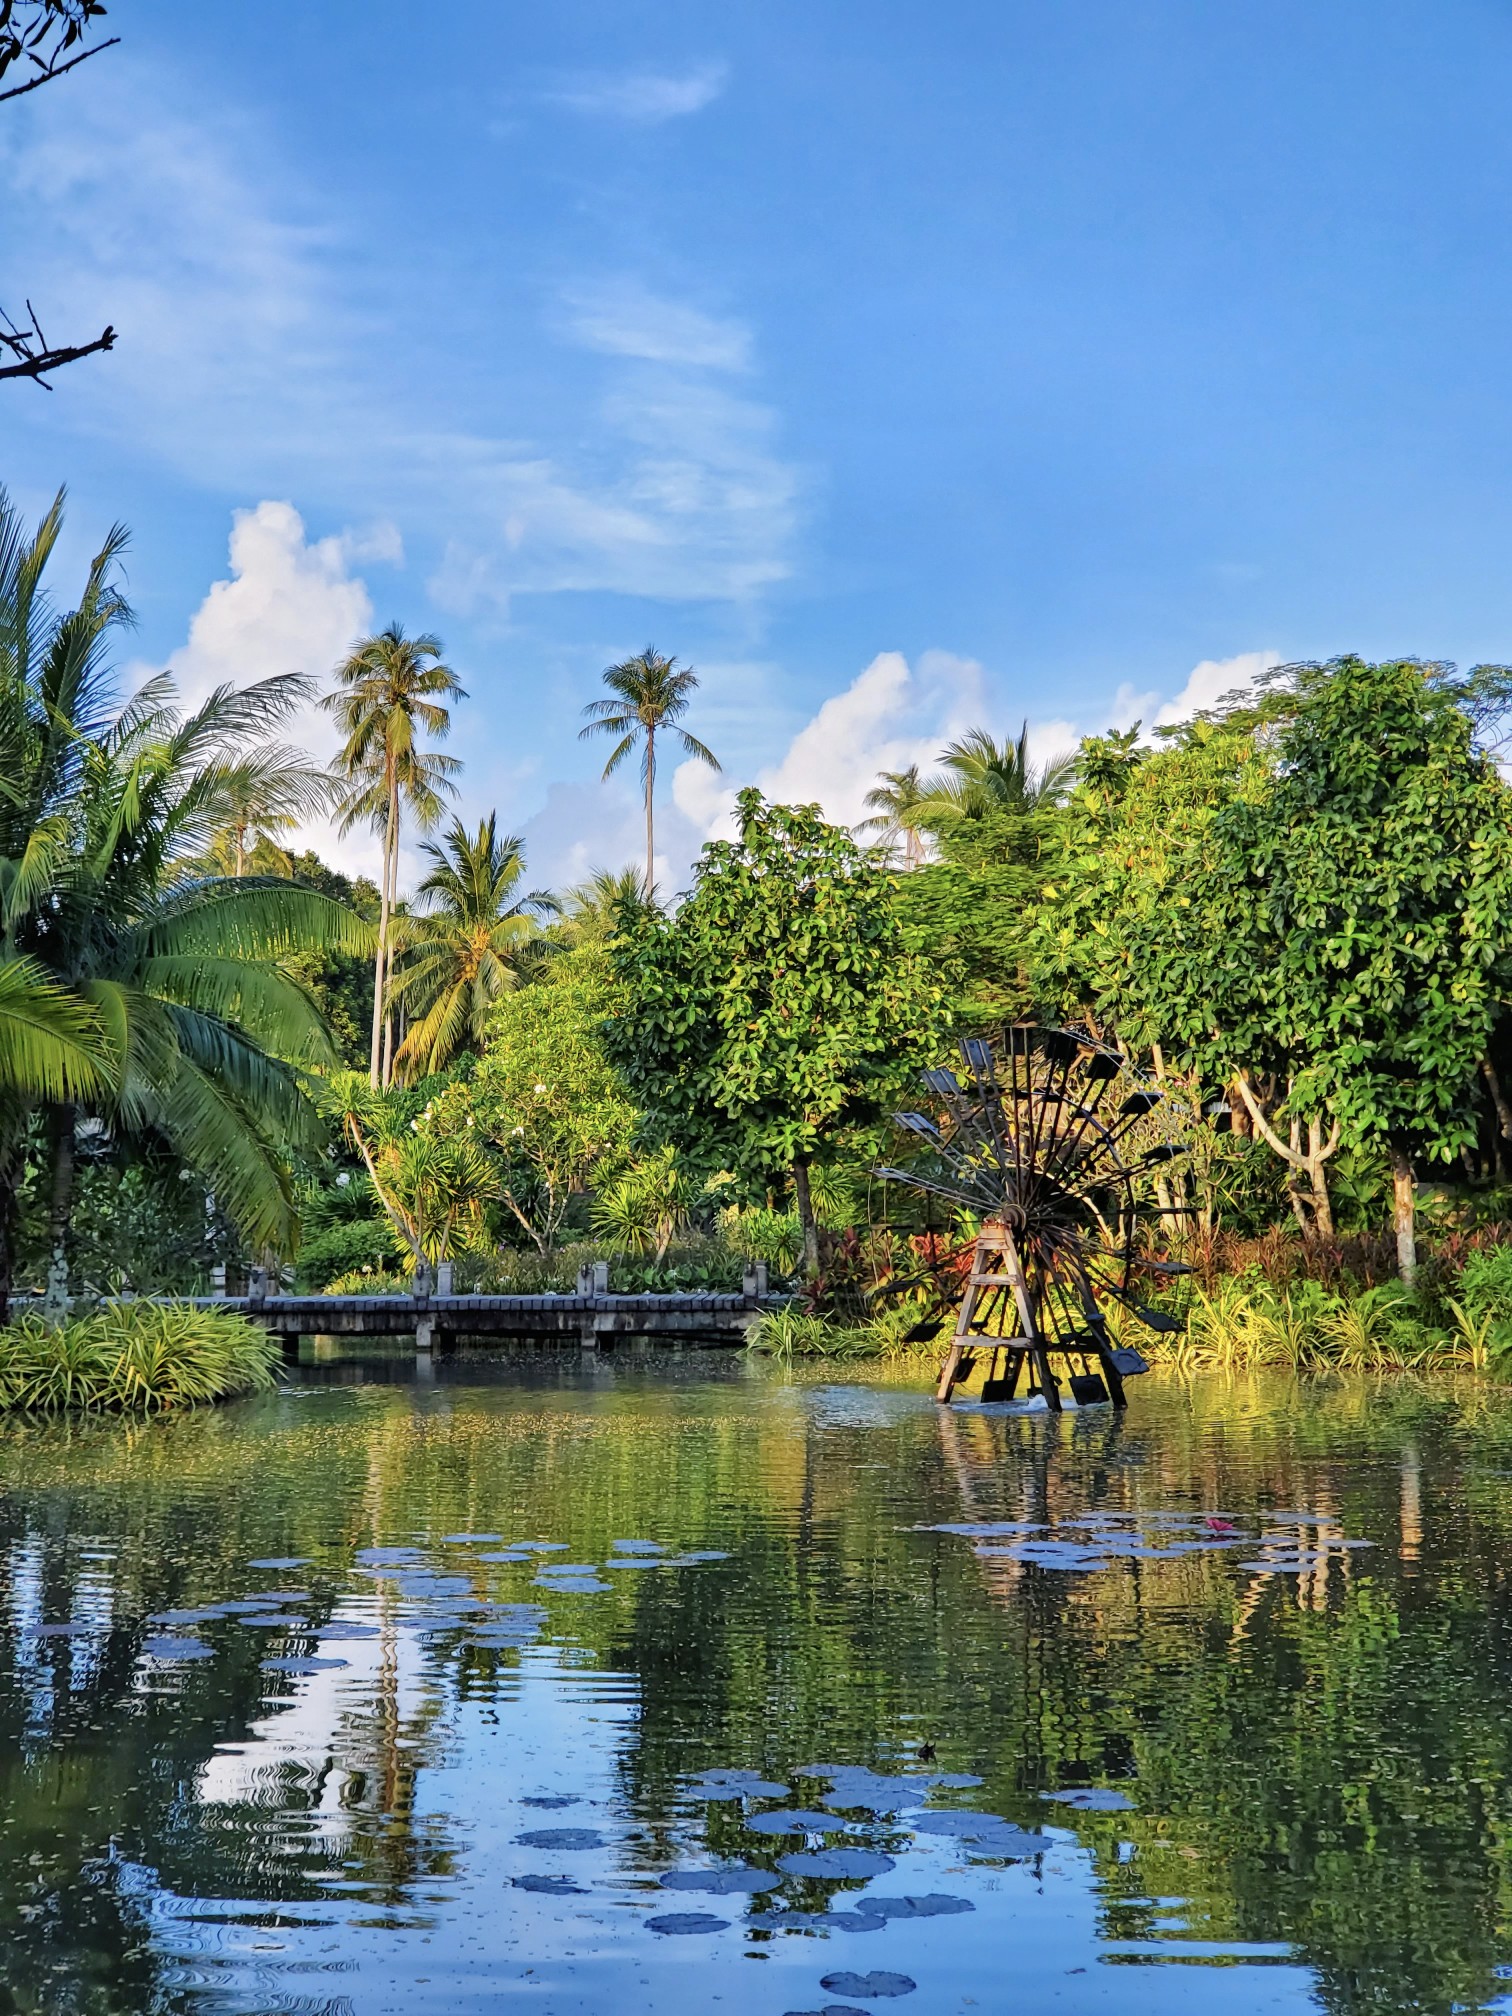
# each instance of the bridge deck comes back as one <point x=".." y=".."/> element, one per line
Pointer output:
<point x="592" y="1320"/>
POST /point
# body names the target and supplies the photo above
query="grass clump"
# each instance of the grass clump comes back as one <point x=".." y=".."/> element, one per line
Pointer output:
<point x="133" y="1358"/>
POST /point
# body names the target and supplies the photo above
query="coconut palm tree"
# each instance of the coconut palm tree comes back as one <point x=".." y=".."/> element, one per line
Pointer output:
<point x="275" y="791"/>
<point x="988" y="776"/>
<point x="389" y="689"/>
<point x="651" y="695"/>
<point x="171" y="985"/>
<point x="467" y="946"/>
<point x="898" y="803"/>
<point x="593" y="908"/>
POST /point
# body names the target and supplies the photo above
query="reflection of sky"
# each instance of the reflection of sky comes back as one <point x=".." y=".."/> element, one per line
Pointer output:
<point x="555" y="1727"/>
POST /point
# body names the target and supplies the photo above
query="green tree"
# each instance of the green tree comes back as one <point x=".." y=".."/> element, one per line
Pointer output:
<point x="1344" y="925"/>
<point x="546" y="1096"/>
<point x="469" y="945"/>
<point x="780" y="1006"/>
<point x="389" y="689"/>
<point x="651" y="695"/>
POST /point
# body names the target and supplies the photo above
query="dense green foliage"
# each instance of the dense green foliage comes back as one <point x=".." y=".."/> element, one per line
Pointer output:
<point x="133" y="1358"/>
<point x="778" y="1007"/>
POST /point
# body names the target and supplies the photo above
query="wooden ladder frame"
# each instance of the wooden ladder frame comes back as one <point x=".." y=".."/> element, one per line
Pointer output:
<point x="995" y="1264"/>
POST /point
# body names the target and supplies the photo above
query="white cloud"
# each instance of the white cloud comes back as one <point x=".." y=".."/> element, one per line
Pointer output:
<point x="644" y="97"/>
<point x="891" y="715"/>
<point x="288" y="604"/>
<point x="623" y="318"/>
<point x="1212" y="680"/>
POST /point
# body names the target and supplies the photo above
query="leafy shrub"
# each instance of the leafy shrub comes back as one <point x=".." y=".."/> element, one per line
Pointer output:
<point x="133" y="1357"/>
<point x="1485" y="1294"/>
<point x="343" y="1248"/>
<point x="798" y="1333"/>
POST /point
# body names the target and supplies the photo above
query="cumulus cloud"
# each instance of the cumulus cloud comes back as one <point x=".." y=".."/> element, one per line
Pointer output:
<point x="1213" y="680"/>
<point x="644" y="97"/>
<point x="287" y="604"/>
<point x="891" y="715"/>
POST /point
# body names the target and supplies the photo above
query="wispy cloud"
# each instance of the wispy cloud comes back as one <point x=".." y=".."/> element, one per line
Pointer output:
<point x="623" y="318"/>
<point x="261" y="355"/>
<point x="643" y="97"/>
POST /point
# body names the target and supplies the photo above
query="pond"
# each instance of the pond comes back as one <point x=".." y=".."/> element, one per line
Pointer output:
<point x="683" y="1685"/>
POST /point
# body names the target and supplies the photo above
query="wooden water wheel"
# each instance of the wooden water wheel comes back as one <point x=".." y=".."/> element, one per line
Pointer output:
<point x="1045" y="1145"/>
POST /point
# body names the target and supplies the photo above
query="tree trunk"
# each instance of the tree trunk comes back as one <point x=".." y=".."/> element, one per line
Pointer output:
<point x="806" y="1219"/>
<point x="1404" y="1211"/>
<point x="381" y="960"/>
<point x="60" y="1135"/>
<point x="650" y="794"/>
<point x="10" y="1170"/>
<point x="1317" y="1177"/>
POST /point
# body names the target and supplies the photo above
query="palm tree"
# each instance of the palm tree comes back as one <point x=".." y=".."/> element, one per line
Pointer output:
<point x="898" y="801"/>
<point x="274" y="792"/>
<point x="173" y="987"/>
<point x="651" y="694"/>
<point x="389" y="687"/>
<point x="987" y="776"/>
<point x="466" y="948"/>
<point x="594" y="906"/>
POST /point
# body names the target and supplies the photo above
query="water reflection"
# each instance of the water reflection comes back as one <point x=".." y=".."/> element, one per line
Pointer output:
<point x="675" y="1683"/>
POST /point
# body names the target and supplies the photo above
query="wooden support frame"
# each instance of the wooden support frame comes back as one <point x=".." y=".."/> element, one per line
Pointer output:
<point x="995" y="1266"/>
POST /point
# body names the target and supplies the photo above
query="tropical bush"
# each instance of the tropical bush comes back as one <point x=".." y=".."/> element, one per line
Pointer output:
<point x="343" y="1249"/>
<point x="133" y="1357"/>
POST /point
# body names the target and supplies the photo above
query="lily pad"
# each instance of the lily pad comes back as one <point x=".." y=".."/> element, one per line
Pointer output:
<point x="553" y="1801"/>
<point x="561" y="1886"/>
<point x="300" y="1665"/>
<point x="638" y="1561"/>
<point x="177" y="1648"/>
<point x="89" y="1630"/>
<point x="281" y="1561"/>
<point x="270" y="1620"/>
<point x="862" y="1920"/>
<point x="638" y="1546"/>
<point x="794" y="1820"/>
<point x="721" y="1882"/>
<point x="341" y="1627"/>
<point x="935" y="1905"/>
<point x="678" y="1922"/>
<point x="876" y="1986"/>
<point x="1092" y="1799"/>
<point x="840" y="1862"/>
<point x="464" y="1539"/>
<point x="756" y="1788"/>
<point x="204" y="1616"/>
<point x="561" y="1837"/>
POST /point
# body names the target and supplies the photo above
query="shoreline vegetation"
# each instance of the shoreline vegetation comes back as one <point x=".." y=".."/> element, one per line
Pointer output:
<point x="134" y="1358"/>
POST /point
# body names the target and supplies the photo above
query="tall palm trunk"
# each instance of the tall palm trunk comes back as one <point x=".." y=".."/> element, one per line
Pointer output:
<point x="388" y="966"/>
<point x="650" y="794"/>
<point x="60" y="1140"/>
<point x="380" y="962"/>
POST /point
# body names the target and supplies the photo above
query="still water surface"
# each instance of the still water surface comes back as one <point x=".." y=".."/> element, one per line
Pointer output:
<point x="293" y="1720"/>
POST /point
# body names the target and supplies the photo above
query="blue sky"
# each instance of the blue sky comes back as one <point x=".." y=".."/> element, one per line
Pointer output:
<point x="901" y="366"/>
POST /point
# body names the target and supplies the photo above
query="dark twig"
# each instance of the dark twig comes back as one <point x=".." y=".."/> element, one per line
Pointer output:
<point x="33" y="353"/>
<point x="56" y="70"/>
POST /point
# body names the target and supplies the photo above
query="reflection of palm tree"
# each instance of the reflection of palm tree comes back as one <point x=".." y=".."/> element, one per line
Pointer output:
<point x="898" y="803"/>
<point x="465" y="950"/>
<point x="389" y="688"/>
<point x="651" y="693"/>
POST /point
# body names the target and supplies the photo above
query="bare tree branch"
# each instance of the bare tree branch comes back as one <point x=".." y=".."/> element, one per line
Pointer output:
<point x="56" y="70"/>
<point x="33" y="353"/>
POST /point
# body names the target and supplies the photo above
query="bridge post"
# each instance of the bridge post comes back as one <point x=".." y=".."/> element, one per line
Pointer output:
<point x="257" y="1287"/>
<point x="444" y="1277"/>
<point x="754" y="1287"/>
<point x="425" y="1322"/>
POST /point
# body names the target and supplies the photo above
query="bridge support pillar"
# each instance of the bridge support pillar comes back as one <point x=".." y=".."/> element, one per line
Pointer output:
<point x="425" y="1333"/>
